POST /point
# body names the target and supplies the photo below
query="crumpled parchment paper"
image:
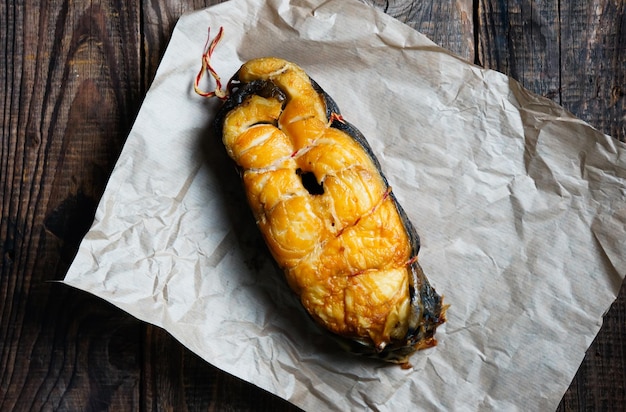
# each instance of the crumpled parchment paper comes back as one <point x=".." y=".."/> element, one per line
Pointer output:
<point x="520" y="207"/>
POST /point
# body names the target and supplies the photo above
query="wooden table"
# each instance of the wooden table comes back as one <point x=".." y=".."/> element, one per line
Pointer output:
<point x="73" y="76"/>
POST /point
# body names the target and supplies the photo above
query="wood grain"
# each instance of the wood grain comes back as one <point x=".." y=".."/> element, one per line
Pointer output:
<point x="521" y="39"/>
<point x="593" y="63"/>
<point x="72" y="78"/>
<point x="570" y="52"/>
<point x="158" y="21"/>
<point x="448" y="23"/>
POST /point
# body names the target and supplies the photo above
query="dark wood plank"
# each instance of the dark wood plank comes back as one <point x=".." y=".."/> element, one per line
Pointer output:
<point x="69" y="77"/>
<point x="159" y="18"/>
<point x="593" y="60"/>
<point x="448" y="23"/>
<point x="571" y="52"/>
<point x="521" y="39"/>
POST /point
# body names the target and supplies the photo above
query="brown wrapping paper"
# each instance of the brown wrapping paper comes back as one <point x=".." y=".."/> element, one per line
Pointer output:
<point x="520" y="207"/>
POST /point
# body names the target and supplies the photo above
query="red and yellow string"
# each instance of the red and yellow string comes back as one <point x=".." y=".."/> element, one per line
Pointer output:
<point x="207" y="67"/>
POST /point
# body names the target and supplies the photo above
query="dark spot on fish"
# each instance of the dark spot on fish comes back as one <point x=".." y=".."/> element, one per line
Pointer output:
<point x="310" y="182"/>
